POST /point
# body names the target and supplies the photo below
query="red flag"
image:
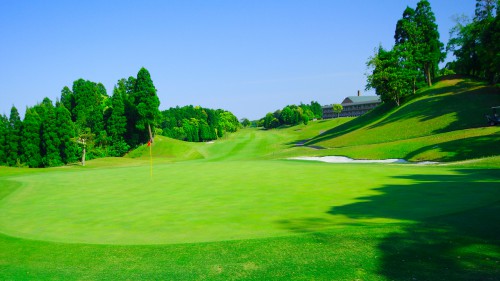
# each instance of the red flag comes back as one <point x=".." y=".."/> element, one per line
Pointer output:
<point x="149" y="142"/>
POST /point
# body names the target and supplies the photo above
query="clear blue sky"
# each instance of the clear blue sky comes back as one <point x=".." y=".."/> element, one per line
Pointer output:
<point x="250" y="57"/>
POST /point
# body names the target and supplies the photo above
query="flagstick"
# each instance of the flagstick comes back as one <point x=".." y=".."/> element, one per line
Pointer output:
<point x="151" y="161"/>
<point x="150" y="143"/>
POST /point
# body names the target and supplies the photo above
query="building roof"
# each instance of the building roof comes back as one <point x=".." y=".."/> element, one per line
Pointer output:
<point x="361" y="99"/>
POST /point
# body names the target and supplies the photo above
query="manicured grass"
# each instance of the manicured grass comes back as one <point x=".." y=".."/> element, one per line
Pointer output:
<point x="126" y="206"/>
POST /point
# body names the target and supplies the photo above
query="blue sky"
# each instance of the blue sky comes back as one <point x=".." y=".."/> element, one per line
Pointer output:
<point x="249" y="57"/>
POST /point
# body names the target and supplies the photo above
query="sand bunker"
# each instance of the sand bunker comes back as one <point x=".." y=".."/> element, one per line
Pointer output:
<point x="342" y="159"/>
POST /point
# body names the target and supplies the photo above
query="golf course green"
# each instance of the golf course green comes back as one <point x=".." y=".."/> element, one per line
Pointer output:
<point x="239" y="208"/>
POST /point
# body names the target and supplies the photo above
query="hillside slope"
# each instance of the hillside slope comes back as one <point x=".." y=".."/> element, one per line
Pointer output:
<point x="445" y="122"/>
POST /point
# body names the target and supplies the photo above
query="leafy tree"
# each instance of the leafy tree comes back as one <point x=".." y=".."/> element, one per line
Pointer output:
<point x="14" y="137"/>
<point x="228" y="122"/>
<point x="463" y="45"/>
<point x="337" y="108"/>
<point x="245" y="122"/>
<point x="316" y="109"/>
<point x="31" y="139"/>
<point x="389" y="78"/>
<point x="488" y="27"/>
<point x="270" y="121"/>
<point x="308" y="115"/>
<point x="287" y="116"/>
<point x="475" y="44"/>
<point x="89" y="104"/>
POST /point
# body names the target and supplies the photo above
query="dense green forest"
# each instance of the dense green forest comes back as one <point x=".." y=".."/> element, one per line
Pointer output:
<point x="195" y="124"/>
<point x="292" y="115"/>
<point x="412" y="63"/>
<point x="85" y="116"/>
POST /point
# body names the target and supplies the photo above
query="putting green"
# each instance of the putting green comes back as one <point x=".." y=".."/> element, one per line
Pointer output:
<point x="198" y="201"/>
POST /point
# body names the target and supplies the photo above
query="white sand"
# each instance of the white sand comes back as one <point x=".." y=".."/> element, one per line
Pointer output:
<point x="342" y="159"/>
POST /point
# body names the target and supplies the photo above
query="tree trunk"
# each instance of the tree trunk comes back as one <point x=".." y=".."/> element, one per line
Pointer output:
<point x="427" y="70"/>
<point x="83" y="156"/>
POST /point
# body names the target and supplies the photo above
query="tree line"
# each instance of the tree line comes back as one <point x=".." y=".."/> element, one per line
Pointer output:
<point x="412" y="63"/>
<point x="197" y="124"/>
<point x="54" y="134"/>
<point x="292" y="115"/>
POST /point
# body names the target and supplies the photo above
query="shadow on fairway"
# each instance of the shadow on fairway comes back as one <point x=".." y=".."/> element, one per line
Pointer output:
<point x="461" y="243"/>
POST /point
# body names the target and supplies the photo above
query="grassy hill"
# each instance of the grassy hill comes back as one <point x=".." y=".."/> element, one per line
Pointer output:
<point x="445" y="123"/>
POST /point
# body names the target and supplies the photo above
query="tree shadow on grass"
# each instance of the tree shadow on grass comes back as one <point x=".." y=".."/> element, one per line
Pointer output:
<point x="453" y="231"/>
<point x="466" y="148"/>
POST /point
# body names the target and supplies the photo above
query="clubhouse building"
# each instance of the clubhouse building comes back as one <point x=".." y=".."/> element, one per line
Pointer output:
<point x="353" y="106"/>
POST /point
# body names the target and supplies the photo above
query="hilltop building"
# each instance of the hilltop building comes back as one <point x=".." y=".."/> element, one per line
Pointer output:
<point x="353" y="106"/>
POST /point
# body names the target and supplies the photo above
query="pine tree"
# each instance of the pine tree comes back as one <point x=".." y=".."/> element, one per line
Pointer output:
<point x="429" y="49"/>
<point x="68" y="99"/>
<point x="31" y="139"/>
<point x="68" y="149"/>
<point x="117" y="124"/>
<point x="4" y="124"/>
<point x="14" y="137"/>
<point x="146" y="103"/>
<point x="50" y="142"/>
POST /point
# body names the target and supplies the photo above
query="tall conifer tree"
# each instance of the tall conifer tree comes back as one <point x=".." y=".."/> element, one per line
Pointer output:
<point x="31" y="139"/>
<point x="147" y="103"/>
<point x="4" y="124"/>
<point x="50" y="141"/>
<point x="14" y="137"/>
<point x="429" y="49"/>
<point x="117" y="124"/>
<point x="68" y="149"/>
<point x="68" y="99"/>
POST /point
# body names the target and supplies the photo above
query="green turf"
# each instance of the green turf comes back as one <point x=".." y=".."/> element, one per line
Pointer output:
<point x="234" y="209"/>
<point x="126" y="206"/>
<point x="317" y="221"/>
<point x="449" y="105"/>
